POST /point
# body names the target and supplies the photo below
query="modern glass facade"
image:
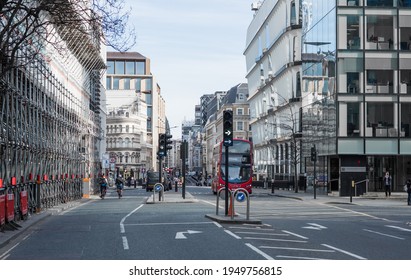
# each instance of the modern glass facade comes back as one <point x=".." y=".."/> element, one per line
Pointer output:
<point x="358" y="77"/>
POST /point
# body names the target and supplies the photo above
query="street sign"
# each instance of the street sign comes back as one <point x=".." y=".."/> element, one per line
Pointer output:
<point x="240" y="197"/>
<point x="158" y="187"/>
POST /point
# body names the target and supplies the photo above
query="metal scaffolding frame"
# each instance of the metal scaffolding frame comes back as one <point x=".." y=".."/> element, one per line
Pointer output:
<point x="48" y="136"/>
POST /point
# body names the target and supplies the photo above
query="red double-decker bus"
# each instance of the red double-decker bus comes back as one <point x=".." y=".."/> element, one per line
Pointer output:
<point x="240" y="166"/>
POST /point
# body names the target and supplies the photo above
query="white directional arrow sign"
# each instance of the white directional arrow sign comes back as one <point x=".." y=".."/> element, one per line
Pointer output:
<point x="228" y="132"/>
<point x="315" y="226"/>
<point x="180" y="235"/>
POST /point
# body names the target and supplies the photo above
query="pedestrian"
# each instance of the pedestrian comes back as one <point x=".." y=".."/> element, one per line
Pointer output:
<point x="409" y="191"/>
<point x="387" y="183"/>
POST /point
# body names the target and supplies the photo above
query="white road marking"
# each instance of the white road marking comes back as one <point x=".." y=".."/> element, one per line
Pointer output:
<point x="8" y="251"/>
<point x="400" y="228"/>
<point x="297" y="249"/>
<point x="180" y="234"/>
<point x="262" y="229"/>
<point x="272" y="239"/>
<point x="298" y="258"/>
<point x="383" y="234"/>
<point x="125" y="243"/>
<point x="359" y="213"/>
<point x="122" y="229"/>
<point x="344" y="252"/>
<point x="258" y="251"/>
<point x="315" y="226"/>
<point x="217" y="224"/>
<point x="171" y="224"/>
<point x="232" y="234"/>
<point x="261" y="233"/>
<point x="73" y="208"/>
<point x="297" y="235"/>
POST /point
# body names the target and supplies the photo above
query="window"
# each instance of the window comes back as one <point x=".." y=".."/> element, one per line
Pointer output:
<point x="126" y="82"/>
<point x="380" y="119"/>
<point x="240" y="111"/>
<point x="110" y="67"/>
<point x="353" y="119"/>
<point x="108" y="83"/>
<point x="380" y="30"/>
<point x="141" y="67"/>
<point x="293" y="18"/>
<point x="240" y="126"/>
<point x="149" y="99"/>
<point x="379" y="81"/>
<point x="116" y="83"/>
<point x="130" y="68"/>
<point x="138" y="84"/>
<point x="405" y="119"/>
<point x="119" y="67"/>
<point x="148" y="84"/>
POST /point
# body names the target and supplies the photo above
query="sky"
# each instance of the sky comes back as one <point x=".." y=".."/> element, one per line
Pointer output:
<point x="195" y="46"/>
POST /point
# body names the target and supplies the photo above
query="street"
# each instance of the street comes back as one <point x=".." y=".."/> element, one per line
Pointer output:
<point x="290" y="229"/>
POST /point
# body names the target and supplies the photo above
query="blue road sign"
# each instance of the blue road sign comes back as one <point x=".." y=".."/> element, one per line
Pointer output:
<point x="158" y="187"/>
<point x="240" y="197"/>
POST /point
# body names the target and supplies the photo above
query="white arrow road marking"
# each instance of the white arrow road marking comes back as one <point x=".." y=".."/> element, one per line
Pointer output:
<point x="315" y="226"/>
<point x="180" y="235"/>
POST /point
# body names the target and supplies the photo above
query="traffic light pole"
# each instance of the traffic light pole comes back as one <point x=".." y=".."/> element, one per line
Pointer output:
<point x="315" y="182"/>
<point x="159" y="169"/>
<point x="226" y="180"/>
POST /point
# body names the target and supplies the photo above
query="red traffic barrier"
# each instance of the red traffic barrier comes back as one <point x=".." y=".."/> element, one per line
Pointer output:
<point x="10" y="207"/>
<point x="24" y="202"/>
<point x="2" y="209"/>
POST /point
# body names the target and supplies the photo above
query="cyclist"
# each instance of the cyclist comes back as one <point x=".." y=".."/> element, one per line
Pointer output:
<point x="120" y="186"/>
<point x="103" y="186"/>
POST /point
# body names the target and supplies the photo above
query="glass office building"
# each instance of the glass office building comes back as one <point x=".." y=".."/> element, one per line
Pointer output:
<point x="356" y="87"/>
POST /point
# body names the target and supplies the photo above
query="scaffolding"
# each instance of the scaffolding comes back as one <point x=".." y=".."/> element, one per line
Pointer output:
<point x="48" y="134"/>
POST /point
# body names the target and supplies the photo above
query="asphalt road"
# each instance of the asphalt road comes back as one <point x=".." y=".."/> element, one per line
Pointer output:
<point x="128" y="228"/>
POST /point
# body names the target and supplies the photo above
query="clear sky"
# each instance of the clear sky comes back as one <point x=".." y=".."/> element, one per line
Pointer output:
<point x="195" y="46"/>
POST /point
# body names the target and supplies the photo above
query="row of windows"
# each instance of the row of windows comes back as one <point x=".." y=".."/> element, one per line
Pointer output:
<point x="138" y="84"/>
<point x="122" y="143"/>
<point x="122" y="129"/>
<point x="122" y="67"/>
<point x="375" y="3"/>
<point x="134" y="158"/>
<point x="374" y="119"/>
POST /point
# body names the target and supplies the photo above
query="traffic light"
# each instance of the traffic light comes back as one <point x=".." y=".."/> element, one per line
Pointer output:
<point x="228" y="127"/>
<point x="313" y="154"/>
<point x="161" y="145"/>
<point x="168" y="143"/>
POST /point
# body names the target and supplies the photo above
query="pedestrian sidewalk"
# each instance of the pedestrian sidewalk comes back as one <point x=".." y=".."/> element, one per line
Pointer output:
<point x="370" y="198"/>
